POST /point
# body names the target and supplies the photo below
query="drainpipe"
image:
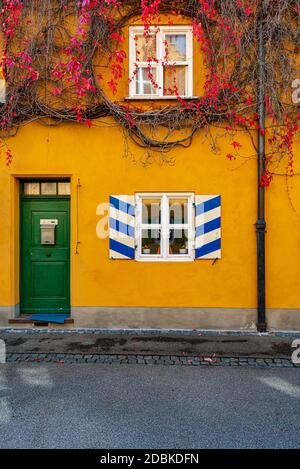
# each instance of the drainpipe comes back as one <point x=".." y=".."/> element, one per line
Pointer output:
<point x="261" y="222"/>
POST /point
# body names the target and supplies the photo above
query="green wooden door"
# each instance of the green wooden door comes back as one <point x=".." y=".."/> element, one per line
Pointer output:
<point x="45" y="269"/>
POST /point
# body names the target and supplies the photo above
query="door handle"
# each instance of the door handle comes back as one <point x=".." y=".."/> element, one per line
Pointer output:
<point x="48" y="254"/>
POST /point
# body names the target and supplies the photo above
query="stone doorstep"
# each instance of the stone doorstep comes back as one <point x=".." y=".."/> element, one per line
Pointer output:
<point x="23" y="319"/>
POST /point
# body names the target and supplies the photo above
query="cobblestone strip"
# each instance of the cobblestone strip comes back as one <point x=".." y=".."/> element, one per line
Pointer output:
<point x="182" y="360"/>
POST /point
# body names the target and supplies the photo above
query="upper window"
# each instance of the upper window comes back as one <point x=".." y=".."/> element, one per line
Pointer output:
<point x="165" y="228"/>
<point x="161" y="62"/>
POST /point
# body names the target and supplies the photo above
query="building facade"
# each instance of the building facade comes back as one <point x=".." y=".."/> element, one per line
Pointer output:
<point x="139" y="241"/>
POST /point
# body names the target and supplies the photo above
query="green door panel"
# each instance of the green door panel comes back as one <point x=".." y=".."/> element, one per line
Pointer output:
<point x="45" y="269"/>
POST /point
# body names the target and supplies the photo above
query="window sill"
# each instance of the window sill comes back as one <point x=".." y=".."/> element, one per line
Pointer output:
<point x="175" y="259"/>
<point x="160" y="98"/>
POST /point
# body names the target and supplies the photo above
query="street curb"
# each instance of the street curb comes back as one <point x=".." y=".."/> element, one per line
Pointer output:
<point x="150" y="332"/>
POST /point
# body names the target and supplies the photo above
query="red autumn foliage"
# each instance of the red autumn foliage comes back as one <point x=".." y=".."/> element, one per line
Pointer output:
<point x="223" y="99"/>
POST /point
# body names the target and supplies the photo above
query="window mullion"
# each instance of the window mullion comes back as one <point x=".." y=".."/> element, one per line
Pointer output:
<point x="160" y="75"/>
<point x="165" y="233"/>
<point x="149" y="226"/>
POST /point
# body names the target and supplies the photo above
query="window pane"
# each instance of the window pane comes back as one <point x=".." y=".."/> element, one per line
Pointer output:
<point x="32" y="188"/>
<point x="178" y="211"/>
<point x="145" y="47"/>
<point x="178" y="242"/>
<point x="2" y="90"/>
<point x="146" y="80"/>
<point x="64" y="188"/>
<point x="175" y="80"/>
<point x="48" y="188"/>
<point x="151" y="242"/>
<point x="151" y="211"/>
<point x="176" y="47"/>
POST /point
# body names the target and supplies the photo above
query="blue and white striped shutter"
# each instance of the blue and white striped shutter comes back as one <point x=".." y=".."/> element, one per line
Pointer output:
<point x="208" y="227"/>
<point x="121" y="226"/>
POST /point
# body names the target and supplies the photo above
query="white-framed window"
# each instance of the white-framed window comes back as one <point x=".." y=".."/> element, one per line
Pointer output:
<point x="160" y="62"/>
<point x="165" y="227"/>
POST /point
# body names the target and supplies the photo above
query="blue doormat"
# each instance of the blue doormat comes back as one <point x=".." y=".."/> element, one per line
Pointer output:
<point x="56" y="318"/>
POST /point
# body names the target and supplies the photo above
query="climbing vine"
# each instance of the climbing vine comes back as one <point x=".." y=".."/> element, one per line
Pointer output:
<point x="64" y="60"/>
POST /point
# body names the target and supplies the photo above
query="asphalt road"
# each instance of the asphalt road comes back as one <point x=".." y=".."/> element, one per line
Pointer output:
<point x="142" y="406"/>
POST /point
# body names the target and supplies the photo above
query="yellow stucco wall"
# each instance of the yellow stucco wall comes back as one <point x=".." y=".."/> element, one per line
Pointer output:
<point x="95" y="156"/>
<point x="283" y="241"/>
